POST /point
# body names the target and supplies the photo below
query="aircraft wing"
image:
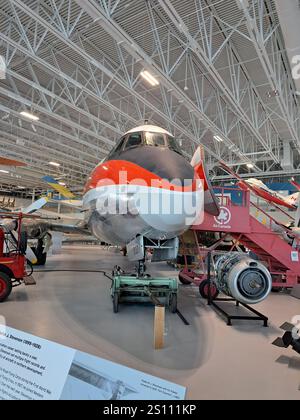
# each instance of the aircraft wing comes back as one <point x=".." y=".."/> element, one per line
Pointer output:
<point x="73" y="204"/>
<point x="37" y="226"/>
<point x="69" y="228"/>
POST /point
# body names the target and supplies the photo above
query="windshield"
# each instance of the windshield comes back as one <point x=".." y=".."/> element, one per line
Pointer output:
<point x="150" y="139"/>
<point x="155" y="139"/>
<point x="173" y="145"/>
<point x="134" y="140"/>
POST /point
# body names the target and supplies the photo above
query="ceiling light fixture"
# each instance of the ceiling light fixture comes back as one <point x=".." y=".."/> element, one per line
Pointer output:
<point x="29" y="116"/>
<point x="150" y="79"/>
<point x="3" y="171"/>
<point x="54" y="164"/>
<point x="250" y="165"/>
<point x="218" y="138"/>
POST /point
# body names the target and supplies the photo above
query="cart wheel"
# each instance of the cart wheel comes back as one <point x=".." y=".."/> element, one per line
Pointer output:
<point x="23" y="243"/>
<point x="173" y="303"/>
<point x="116" y="302"/>
<point x="5" y="286"/>
<point x="204" y="289"/>
<point x="183" y="280"/>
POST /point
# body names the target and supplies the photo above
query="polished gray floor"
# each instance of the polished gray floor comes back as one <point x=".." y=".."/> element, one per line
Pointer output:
<point x="211" y="359"/>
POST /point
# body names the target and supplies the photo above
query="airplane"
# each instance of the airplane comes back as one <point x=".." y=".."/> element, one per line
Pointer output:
<point x="261" y="190"/>
<point x="266" y="193"/>
<point x="143" y="194"/>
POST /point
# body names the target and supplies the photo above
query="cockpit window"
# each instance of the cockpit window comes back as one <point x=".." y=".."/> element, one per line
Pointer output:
<point x="173" y="145"/>
<point x="155" y="139"/>
<point x="120" y="145"/>
<point x="134" y="139"/>
<point x="117" y="149"/>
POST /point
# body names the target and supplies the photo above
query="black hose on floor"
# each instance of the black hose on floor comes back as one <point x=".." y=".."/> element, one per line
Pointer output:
<point x="76" y="271"/>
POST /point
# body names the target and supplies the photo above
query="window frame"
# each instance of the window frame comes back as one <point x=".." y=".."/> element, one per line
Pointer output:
<point x="142" y="142"/>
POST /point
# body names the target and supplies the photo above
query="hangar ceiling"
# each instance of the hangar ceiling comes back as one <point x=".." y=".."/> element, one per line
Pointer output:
<point x="224" y="81"/>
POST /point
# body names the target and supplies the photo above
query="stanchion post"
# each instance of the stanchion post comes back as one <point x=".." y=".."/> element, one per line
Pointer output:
<point x="159" y="326"/>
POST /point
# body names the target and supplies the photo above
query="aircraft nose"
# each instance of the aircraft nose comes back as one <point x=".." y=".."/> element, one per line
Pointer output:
<point x="164" y="163"/>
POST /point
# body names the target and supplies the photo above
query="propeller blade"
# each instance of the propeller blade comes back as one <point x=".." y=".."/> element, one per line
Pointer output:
<point x="36" y="205"/>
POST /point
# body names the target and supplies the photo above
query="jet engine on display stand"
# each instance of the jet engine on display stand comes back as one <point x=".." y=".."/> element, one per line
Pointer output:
<point x="243" y="278"/>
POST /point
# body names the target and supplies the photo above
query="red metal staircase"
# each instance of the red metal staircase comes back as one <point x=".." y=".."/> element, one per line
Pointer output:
<point x="261" y="234"/>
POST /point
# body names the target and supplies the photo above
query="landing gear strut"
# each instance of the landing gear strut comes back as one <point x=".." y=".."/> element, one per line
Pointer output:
<point x="141" y="268"/>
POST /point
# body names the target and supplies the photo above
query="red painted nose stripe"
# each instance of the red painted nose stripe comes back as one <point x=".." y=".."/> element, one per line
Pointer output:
<point x="120" y="172"/>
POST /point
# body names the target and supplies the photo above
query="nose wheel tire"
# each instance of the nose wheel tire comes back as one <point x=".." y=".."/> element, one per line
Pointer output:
<point x="5" y="286"/>
<point x="41" y="256"/>
<point x="204" y="290"/>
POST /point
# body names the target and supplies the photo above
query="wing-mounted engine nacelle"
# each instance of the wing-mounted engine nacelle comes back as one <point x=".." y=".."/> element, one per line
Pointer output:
<point x="246" y="280"/>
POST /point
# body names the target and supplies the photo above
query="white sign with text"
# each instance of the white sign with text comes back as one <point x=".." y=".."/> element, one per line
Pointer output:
<point x="33" y="368"/>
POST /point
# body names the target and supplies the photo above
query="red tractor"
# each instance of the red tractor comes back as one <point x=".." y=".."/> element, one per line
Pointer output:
<point x="14" y="267"/>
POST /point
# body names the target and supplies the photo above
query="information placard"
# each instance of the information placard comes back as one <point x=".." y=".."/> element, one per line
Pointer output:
<point x="33" y="368"/>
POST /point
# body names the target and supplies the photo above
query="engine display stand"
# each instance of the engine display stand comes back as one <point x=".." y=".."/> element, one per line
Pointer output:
<point x="258" y="316"/>
<point x="212" y="302"/>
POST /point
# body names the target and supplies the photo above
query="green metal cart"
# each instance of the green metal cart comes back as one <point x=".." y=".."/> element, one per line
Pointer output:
<point x="159" y="291"/>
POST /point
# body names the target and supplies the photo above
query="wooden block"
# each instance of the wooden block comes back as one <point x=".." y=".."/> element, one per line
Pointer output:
<point x="29" y="281"/>
<point x="159" y="327"/>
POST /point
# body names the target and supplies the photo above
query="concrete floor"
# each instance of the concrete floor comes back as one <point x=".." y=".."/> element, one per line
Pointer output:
<point x="212" y="360"/>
